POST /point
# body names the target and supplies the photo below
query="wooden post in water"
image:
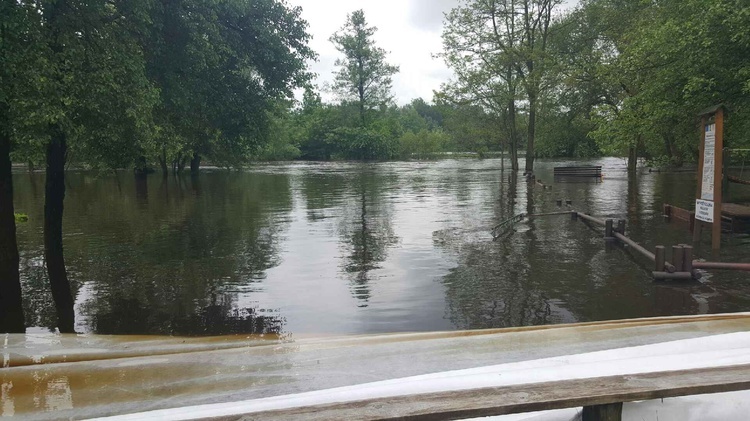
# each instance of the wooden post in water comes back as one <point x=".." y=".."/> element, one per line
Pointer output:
<point x="677" y="258"/>
<point x="688" y="258"/>
<point x="660" y="259"/>
<point x="609" y="230"/>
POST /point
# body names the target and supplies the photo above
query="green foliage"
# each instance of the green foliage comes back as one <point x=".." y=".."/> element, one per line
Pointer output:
<point x="221" y="67"/>
<point x="281" y="143"/>
<point x="472" y="129"/>
<point x="560" y="136"/>
<point x="423" y="144"/>
<point x="653" y="65"/>
<point x="363" y="144"/>
<point x="21" y="217"/>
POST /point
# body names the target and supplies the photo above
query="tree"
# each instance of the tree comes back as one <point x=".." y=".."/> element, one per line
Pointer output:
<point x="655" y="65"/>
<point x="89" y="95"/>
<point x="364" y="76"/>
<point x="498" y="48"/>
<point x="535" y="17"/>
<point x="221" y="68"/>
<point x="12" y="47"/>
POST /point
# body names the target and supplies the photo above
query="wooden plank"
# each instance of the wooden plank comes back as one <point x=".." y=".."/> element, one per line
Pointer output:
<point x="718" y="179"/>
<point x="735" y="210"/>
<point x="505" y="400"/>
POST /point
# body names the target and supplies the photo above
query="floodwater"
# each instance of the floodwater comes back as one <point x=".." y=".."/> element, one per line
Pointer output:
<point x="303" y="249"/>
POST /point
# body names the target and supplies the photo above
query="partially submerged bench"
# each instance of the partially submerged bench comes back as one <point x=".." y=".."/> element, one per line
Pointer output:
<point x="734" y="217"/>
<point x="581" y="171"/>
<point x="601" y="398"/>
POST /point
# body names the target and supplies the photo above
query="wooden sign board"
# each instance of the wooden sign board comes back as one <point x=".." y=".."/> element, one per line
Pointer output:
<point x="710" y="173"/>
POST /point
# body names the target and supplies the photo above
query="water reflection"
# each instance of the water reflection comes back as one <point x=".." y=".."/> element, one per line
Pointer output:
<point x="358" y="248"/>
<point x="366" y="232"/>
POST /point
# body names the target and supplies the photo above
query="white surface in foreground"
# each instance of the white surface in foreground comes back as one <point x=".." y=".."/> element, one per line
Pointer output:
<point x="712" y="351"/>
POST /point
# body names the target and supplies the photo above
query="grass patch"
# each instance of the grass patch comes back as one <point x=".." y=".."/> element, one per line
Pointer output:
<point x="21" y="217"/>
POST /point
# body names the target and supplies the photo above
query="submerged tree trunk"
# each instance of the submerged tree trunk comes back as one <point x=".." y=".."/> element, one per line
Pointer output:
<point x="11" y="309"/>
<point x="531" y="135"/>
<point x="513" y="135"/>
<point x="53" y="243"/>
<point x="195" y="163"/>
<point x="671" y="150"/>
<point x="632" y="159"/>
<point x="163" y="162"/>
<point x="141" y="167"/>
<point x="181" y="163"/>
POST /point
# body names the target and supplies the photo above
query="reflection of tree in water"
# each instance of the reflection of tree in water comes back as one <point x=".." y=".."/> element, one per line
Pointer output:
<point x="37" y="297"/>
<point x="367" y="232"/>
<point x="119" y="314"/>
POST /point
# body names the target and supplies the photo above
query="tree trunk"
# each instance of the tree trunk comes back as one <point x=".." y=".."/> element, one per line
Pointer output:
<point x="53" y="242"/>
<point x="141" y="166"/>
<point x="181" y="164"/>
<point x="195" y="164"/>
<point x="163" y="162"/>
<point x="11" y="309"/>
<point x="632" y="159"/>
<point x="361" y="91"/>
<point x="531" y="134"/>
<point x="513" y="135"/>
<point x="670" y="149"/>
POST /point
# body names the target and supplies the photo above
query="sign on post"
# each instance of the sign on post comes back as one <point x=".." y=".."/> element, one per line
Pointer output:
<point x="704" y="211"/>
<point x="709" y="163"/>
<point x="710" y="174"/>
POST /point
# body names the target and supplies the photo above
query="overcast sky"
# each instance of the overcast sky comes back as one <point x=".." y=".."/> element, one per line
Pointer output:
<point x="408" y="29"/>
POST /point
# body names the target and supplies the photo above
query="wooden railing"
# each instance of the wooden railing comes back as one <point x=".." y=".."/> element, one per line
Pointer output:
<point x="600" y="397"/>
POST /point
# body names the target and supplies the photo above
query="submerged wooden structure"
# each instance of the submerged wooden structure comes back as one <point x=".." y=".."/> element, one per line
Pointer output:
<point x="579" y="171"/>
<point x="734" y="218"/>
<point x="681" y="266"/>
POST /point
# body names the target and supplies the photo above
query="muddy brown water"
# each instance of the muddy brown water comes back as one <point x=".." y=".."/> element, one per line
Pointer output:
<point x="345" y="248"/>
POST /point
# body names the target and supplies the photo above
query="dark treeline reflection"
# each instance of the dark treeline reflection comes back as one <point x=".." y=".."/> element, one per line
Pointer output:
<point x="165" y="255"/>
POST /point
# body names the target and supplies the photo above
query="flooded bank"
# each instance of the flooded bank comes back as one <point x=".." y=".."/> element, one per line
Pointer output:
<point x="339" y="248"/>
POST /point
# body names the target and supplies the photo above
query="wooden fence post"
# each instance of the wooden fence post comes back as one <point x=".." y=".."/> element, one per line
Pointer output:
<point x="611" y="412"/>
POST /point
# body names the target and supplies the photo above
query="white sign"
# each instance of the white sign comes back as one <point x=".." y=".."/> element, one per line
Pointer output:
<point x="709" y="164"/>
<point x="704" y="211"/>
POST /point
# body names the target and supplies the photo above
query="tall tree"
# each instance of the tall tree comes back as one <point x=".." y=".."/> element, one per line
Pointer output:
<point x="535" y="19"/>
<point x="11" y="309"/>
<point x="479" y="44"/>
<point x="364" y="77"/>
<point x="94" y="98"/>
<point x="17" y="53"/>
<point x="498" y="49"/>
